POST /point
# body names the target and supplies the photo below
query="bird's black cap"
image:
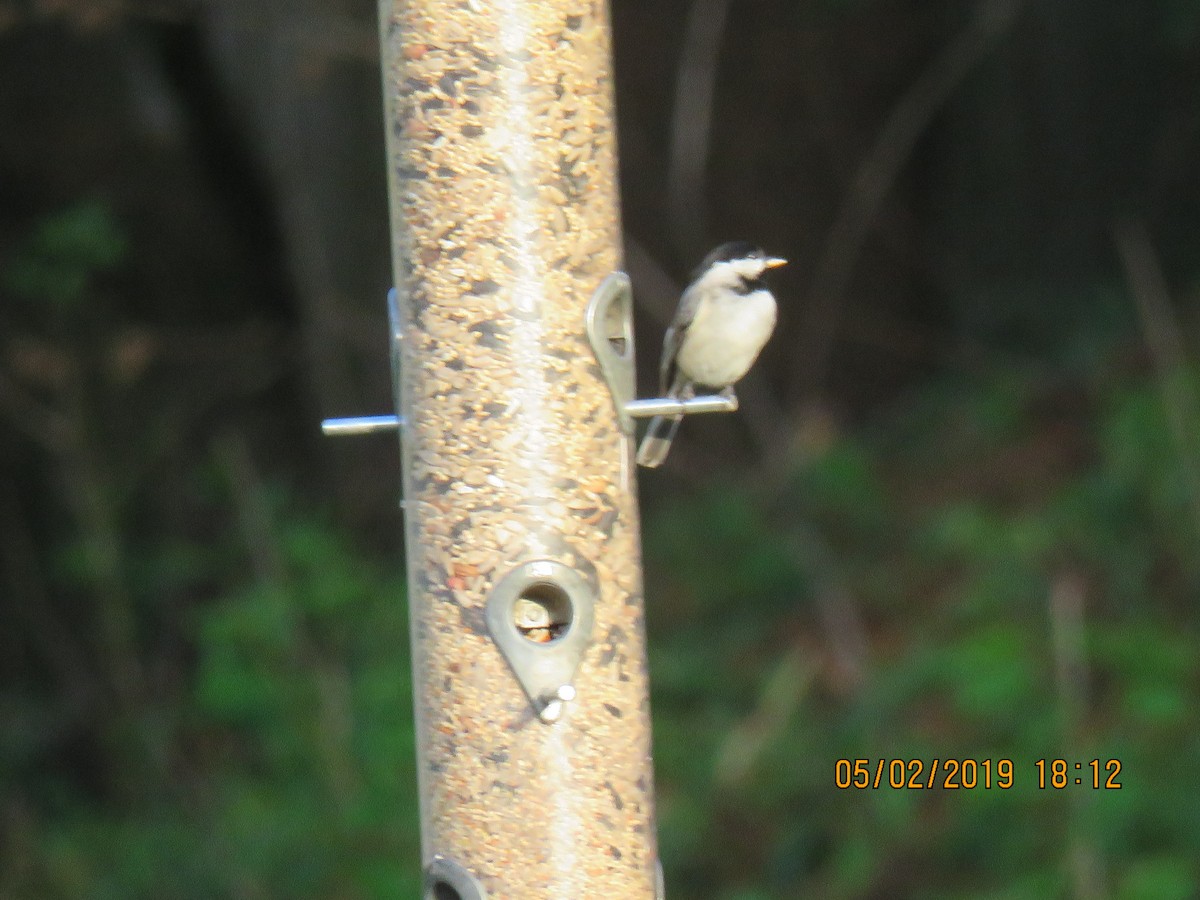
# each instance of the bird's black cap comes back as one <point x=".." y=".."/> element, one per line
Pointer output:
<point x="727" y="252"/>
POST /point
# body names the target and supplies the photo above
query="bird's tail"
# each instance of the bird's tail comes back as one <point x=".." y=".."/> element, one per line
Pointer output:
<point x="656" y="443"/>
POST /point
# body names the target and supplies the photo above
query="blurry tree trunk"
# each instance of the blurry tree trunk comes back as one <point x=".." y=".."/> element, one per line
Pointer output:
<point x="304" y="74"/>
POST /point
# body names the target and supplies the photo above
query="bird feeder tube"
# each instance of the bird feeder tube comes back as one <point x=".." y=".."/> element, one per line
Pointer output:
<point x="523" y="542"/>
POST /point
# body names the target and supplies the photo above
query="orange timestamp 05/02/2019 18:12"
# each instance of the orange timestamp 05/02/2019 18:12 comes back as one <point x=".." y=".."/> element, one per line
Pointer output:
<point x="972" y="774"/>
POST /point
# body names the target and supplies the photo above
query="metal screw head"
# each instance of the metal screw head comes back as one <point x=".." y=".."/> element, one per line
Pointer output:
<point x="552" y="711"/>
<point x="528" y="614"/>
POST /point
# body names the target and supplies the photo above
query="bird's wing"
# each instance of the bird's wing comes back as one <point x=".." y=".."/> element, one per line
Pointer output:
<point x="673" y="339"/>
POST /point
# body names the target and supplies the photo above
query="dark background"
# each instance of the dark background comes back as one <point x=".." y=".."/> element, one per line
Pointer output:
<point x="958" y="515"/>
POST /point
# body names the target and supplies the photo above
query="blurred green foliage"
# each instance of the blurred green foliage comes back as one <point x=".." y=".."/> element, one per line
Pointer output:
<point x="64" y="253"/>
<point x="958" y="592"/>
<point x="290" y="770"/>
<point x="206" y="694"/>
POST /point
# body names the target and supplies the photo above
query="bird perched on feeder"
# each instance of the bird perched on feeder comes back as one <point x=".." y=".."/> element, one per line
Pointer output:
<point x="724" y="318"/>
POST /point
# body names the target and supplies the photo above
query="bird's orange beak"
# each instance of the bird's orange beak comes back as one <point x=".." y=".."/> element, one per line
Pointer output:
<point x="775" y="262"/>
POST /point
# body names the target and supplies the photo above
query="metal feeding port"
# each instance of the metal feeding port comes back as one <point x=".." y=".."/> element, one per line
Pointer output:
<point x="540" y="615"/>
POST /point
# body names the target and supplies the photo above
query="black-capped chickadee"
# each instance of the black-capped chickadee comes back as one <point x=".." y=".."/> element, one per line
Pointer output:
<point x="724" y="318"/>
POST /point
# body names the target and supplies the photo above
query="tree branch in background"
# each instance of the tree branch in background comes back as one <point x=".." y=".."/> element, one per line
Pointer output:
<point x="1148" y="285"/>
<point x="1084" y="866"/>
<point x="41" y="622"/>
<point x="250" y="504"/>
<point x="45" y="425"/>
<point x="654" y="291"/>
<point x="691" y="124"/>
<point x="843" y="664"/>
<point x="908" y="120"/>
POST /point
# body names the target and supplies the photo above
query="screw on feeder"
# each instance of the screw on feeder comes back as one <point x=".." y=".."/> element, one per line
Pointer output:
<point x="553" y="709"/>
<point x="542" y="613"/>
